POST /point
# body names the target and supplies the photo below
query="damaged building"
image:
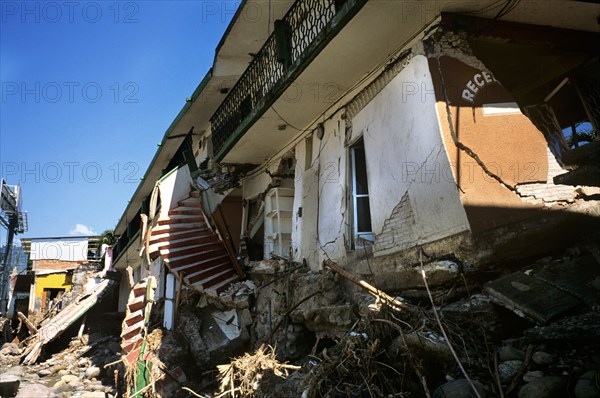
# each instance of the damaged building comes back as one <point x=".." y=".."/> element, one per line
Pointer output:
<point x="389" y="139"/>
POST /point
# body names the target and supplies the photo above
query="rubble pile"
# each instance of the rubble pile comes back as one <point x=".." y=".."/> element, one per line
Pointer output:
<point x="486" y="334"/>
<point x="78" y="371"/>
<point x="530" y="330"/>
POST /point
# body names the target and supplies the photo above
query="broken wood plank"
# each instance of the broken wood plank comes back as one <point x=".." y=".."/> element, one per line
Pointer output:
<point x="27" y="322"/>
<point x="387" y="299"/>
<point x="530" y="297"/>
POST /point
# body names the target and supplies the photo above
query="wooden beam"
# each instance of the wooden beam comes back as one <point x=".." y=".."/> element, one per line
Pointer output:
<point x="27" y="322"/>
<point x="387" y="299"/>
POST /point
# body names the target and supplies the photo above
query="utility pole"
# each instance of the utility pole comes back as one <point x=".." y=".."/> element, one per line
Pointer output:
<point x="15" y="222"/>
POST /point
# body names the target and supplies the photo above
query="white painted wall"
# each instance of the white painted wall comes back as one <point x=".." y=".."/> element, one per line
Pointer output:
<point x="320" y="191"/>
<point x="67" y="249"/>
<point x="174" y="187"/>
<point x="405" y="154"/>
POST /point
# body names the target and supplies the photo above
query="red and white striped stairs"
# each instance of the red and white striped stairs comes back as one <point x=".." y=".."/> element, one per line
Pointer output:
<point x="188" y="245"/>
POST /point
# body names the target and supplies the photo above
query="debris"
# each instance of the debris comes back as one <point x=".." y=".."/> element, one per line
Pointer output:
<point x="545" y="387"/>
<point x="9" y="385"/>
<point x="588" y="385"/>
<point x="242" y="377"/>
<point x="389" y="300"/>
<point x="530" y="297"/>
<point x="460" y="388"/>
<point x="53" y="327"/>
<point x="574" y="328"/>
<point x="27" y="322"/>
<point x="542" y="358"/>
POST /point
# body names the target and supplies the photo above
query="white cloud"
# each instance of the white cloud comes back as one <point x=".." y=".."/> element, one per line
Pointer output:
<point x="81" y="229"/>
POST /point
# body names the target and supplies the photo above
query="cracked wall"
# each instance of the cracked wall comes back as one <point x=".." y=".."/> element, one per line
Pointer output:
<point x="406" y="161"/>
<point x="494" y="148"/>
<point x="319" y="229"/>
<point x="399" y="228"/>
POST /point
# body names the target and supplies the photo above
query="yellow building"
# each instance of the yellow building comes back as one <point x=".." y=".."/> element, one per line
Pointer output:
<point x="53" y="278"/>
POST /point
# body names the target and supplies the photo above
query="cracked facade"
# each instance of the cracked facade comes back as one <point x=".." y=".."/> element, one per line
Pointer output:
<point x="377" y="146"/>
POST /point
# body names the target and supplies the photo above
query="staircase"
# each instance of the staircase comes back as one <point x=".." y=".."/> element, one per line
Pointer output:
<point x="189" y="246"/>
<point x="134" y="323"/>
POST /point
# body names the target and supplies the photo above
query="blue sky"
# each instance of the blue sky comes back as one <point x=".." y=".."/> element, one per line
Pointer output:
<point x="88" y="90"/>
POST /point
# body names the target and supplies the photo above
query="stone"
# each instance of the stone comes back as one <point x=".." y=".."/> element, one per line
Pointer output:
<point x="9" y="385"/>
<point x="14" y="370"/>
<point x="69" y="378"/>
<point x="83" y="362"/>
<point x="92" y="371"/>
<point x="459" y="388"/>
<point x="44" y="372"/>
<point x="63" y="372"/>
<point x="57" y="368"/>
<point x="545" y="387"/>
<point x="59" y="383"/>
<point x="509" y="369"/>
<point x="76" y="385"/>
<point x="542" y="358"/>
<point x="33" y="390"/>
<point x="431" y="350"/>
<point x="93" y="394"/>
<point x="510" y="353"/>
<point x="190" y="326"/>
<point x="586" y="386"/>
<point x="530" y="376"/>
<point x="62" y="388"/>
<point x="10" y="349"/>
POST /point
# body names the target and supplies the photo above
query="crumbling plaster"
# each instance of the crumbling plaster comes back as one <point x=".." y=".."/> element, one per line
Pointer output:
<point x="406" y="156"/>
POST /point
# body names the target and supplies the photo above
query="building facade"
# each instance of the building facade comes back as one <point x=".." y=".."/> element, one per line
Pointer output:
<point x="374" y="134"/>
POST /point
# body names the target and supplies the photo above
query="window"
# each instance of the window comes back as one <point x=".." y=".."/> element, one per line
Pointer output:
<point x="308" y="153"/>
<point x="360" y="192"/>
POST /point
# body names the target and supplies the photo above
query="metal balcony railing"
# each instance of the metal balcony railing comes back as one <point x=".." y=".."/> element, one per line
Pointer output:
<point x="298" y="37"/>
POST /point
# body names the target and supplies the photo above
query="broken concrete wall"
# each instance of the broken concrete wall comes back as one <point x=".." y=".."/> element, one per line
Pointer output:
<point x="293" y="309"/>
<point x="304" y="214"/>
<point x="412" y="192"/>
<point x="501" y="161"/>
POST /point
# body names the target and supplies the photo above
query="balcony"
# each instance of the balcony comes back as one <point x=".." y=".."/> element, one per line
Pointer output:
<point x="303" y="32"/>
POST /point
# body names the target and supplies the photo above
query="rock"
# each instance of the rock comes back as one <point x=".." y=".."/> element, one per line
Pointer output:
<point x="44" y="372"/>
<point x="62" y="388"/>
<point x="530" y="376"/>
<point x="83" y="362"/>
<point x="509" y="369"/>
<point x="93" y="394"/>
<point x="69" y="378"/>
<point x="545" y="387"/>
<point x="9" y="385"/>
<point x="510" y="353"/>
<point x="586" y="386"/>
<point x="59" y="383"/>
<point x="33" y="390"/>
<point x="92" y="371"/>
<point x="14" y="370"/>
<point x="459" y="388"/>
<point x="191" y="325"/>
<point x="433" y="351"/>
<point x="542" y="358"/>
<point x="10" y="349"/>
<point x="76" y="385"/>
<point x="56" y="368"/>
<point x="63" y="372"/>
<point x="98" y="387"/>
